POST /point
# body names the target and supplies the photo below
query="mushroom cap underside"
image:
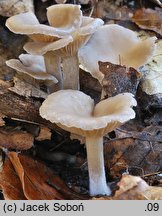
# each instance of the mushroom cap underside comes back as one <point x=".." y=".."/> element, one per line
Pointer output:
<point x="74" y="111"/>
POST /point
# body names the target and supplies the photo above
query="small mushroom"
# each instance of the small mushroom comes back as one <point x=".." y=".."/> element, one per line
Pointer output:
<point x="69" y="51"/>
<point x="75" y="112"/>
<point x="117" y="45"/>
<point x="64" y="20"/>
<point x="33" y="66"/>
<point x="68" y="31"/>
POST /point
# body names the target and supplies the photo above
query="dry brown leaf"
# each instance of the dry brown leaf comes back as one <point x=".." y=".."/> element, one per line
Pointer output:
<point x="118" y="79"/>
<point x="44" y="134"/>
<point x="19" y="140"/>
<point x="39" y="182"/>
<point x="133" y="150"/>
<point x="149" y="19"/>
<point x="131" y="188"/>
<point x="153" y="193"/>
<point x="34" y="177"/>
<point x="10" y="182"/>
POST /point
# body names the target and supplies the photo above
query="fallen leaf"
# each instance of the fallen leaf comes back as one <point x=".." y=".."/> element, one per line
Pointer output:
<point x="136" y="152"/>
<point x="153" y="193"/>
<point x="118" y="79"/>
<point x="38" y="181"/>
<point x="44" y="134"/>
<point x="131" y="188"/>
<point x="149" y="19"/>
<point x="19" y="140"/>
<point x="26" y="89"/>
<point x="10" y="182"/>
<point x="152" y="81"/>
<point x="34" y="177"/>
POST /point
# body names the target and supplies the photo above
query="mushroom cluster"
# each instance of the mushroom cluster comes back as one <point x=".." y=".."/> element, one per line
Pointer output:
<point x="69" y="30"/>
<point x="71" y="39"/>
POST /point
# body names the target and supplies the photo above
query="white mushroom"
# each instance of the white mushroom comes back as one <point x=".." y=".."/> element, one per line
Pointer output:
<point x="68" y="51"/>
<point x="75" y="112"/>
<point x="115" y="44"/>
<point x="52" y="37"/>
<point x="69" y="31"/>
<point x="33" y="66"/>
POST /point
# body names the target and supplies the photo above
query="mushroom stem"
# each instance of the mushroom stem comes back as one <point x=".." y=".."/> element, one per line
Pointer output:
<point x="97" y="178"/>
<point x="53" y="67"/>
<point x="71" y="72"/>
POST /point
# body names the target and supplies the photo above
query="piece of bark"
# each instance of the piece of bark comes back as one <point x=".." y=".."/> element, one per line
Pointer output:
<point x="26" y="89"/>
<point x="10" y="182"/>
<point x="15" y="106"/>
<point x="12" y="7"/>
<point x="19" y="140"/>
<point x="2" y="122"/>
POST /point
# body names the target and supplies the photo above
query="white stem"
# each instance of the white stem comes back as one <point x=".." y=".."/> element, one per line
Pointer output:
<point x="103" y="94"/>
<point x="71" y="72"/>
<point x="53" y="67"/>
<point x="97" y="178"/>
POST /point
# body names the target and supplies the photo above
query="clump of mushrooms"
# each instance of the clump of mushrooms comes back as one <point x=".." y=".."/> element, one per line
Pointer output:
<point x="68" y="31"/>
<point x="75" y="112"/>
<point x="33" y="66"/>
<point x="118" y="45"/>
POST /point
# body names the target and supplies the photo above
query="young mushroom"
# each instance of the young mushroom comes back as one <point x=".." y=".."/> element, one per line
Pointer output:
<point x="117" y="45"/>
<point x="68" y="52"/>
<point x="67" y="32"/>
<point x="64" y="19"/>
<point x="75" y="112"/>
<point x="33" y="66"/>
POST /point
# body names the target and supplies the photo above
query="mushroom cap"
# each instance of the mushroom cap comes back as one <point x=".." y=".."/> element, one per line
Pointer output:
<point x="41" y="48"/>
<point x="65" y="16"/>
<point x="27" y="23"/>
<point x="67" y="46"/>
<point x="75" y="112"/>
<point x="31" y="65"/>
<point x="115" y="44"/>
<point x="64" y="20"/>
